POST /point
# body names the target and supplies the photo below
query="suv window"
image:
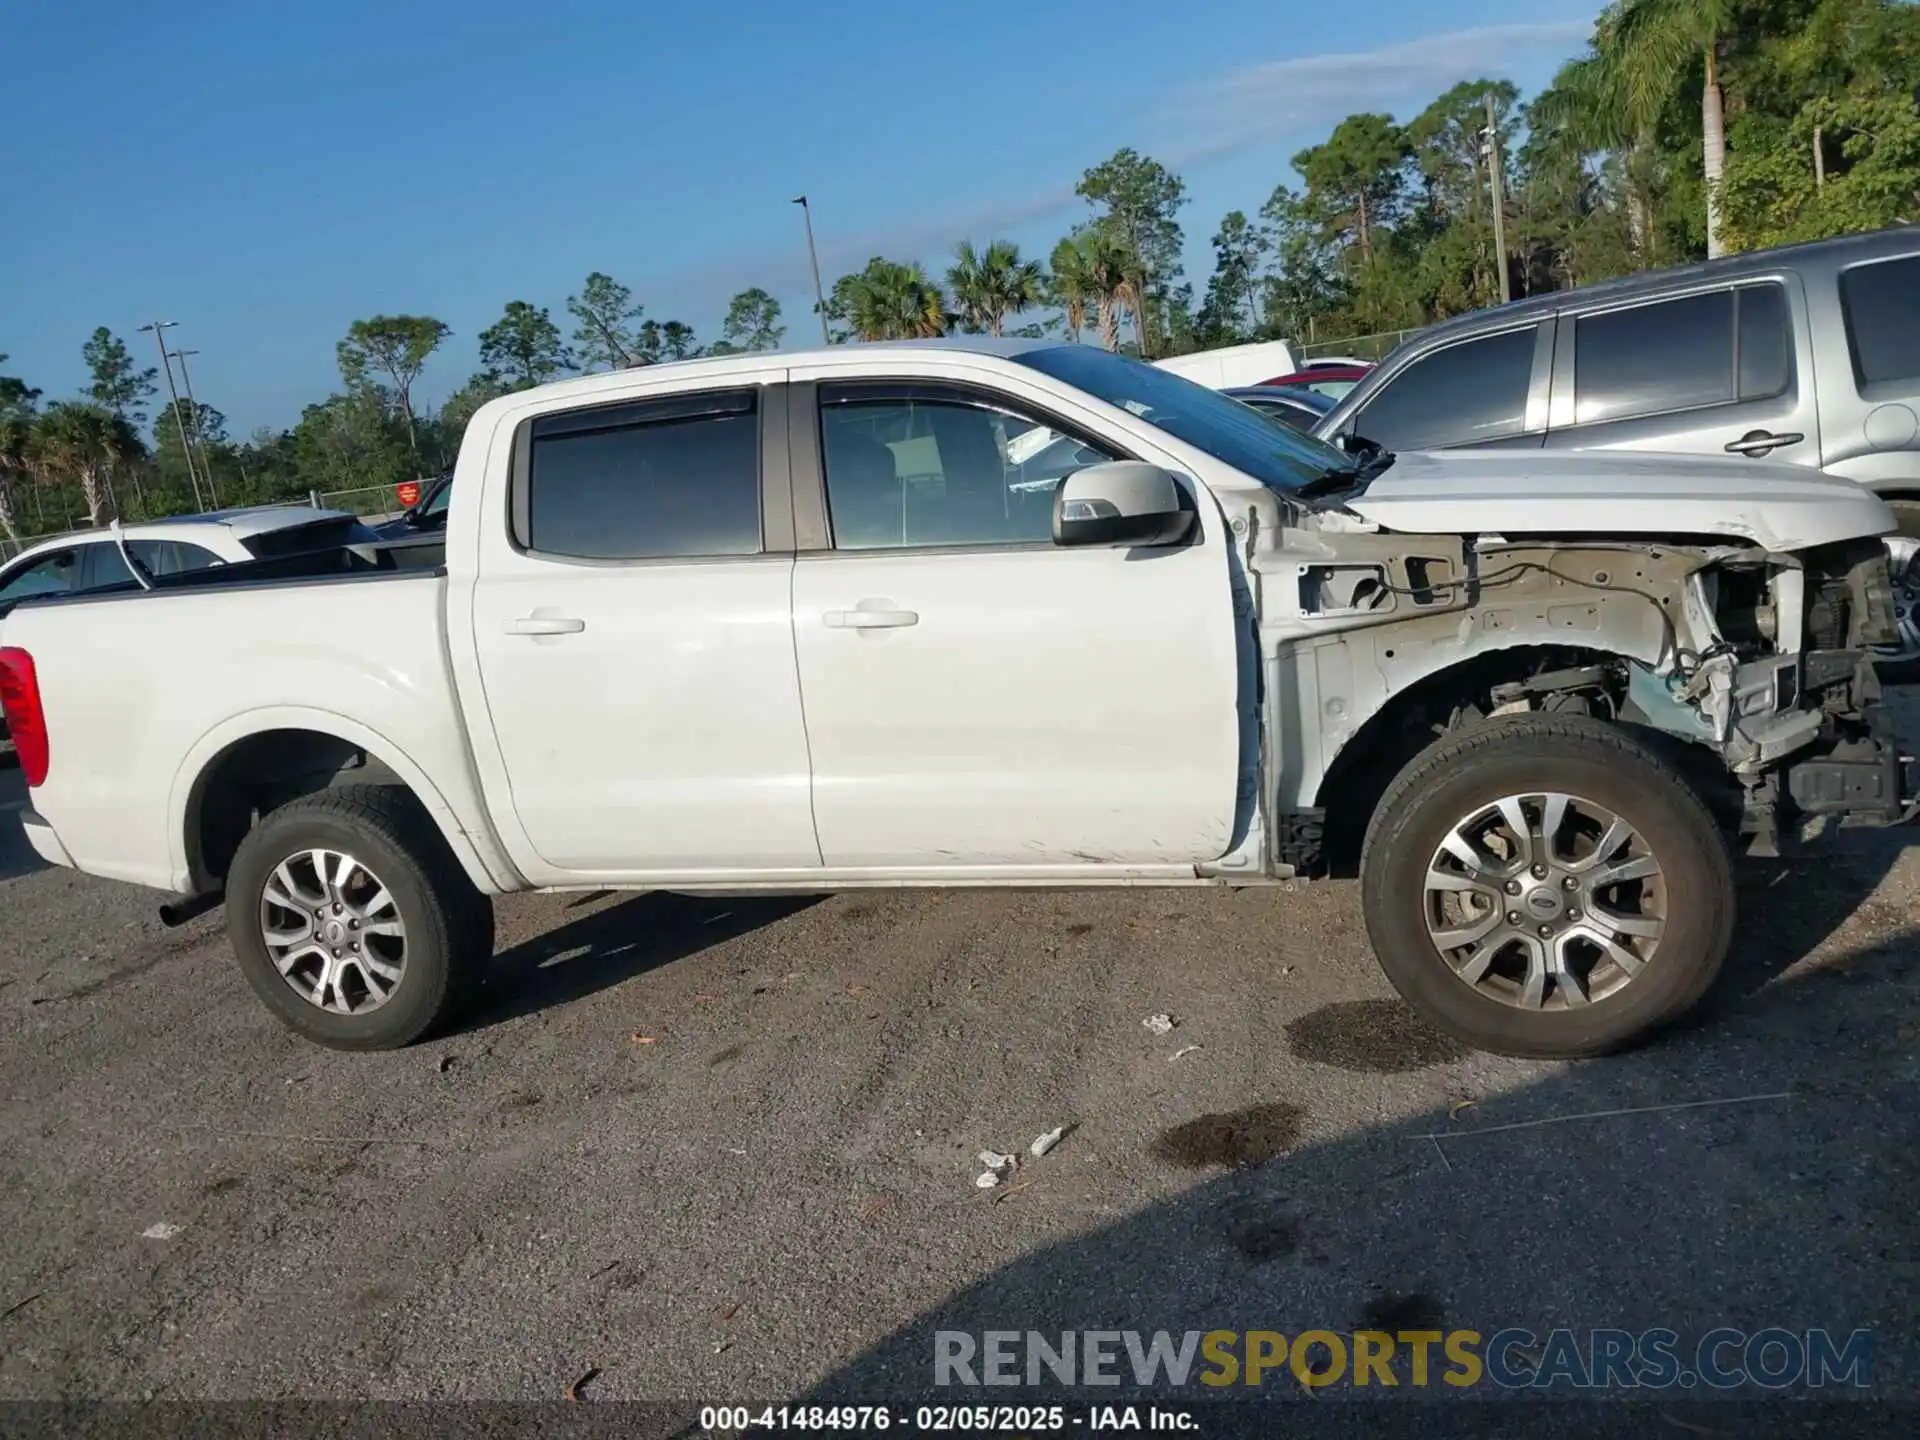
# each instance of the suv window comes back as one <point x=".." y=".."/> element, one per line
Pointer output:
<point x="1466" y="394"/>
<point x="1682" y="354"/>
<point x="1882" y="307"/>
<point x="659" y="479"/>
<point x="172" y="557"/>
<point x="916" y="465"/>
<point x="49" y="575"/>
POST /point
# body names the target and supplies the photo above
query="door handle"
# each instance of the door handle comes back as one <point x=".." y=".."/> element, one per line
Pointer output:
<point x="545" y="625"/>
<point x="870" y="615"/>
<point x="1759" y="442"/>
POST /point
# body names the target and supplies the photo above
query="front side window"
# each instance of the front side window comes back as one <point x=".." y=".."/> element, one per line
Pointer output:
<point x="49" y="575"/>
<point x="1881" y="303"/>
<point x="655" y="480"/>
<point x="918" y="465"/>
<point x="1466" y="394"/>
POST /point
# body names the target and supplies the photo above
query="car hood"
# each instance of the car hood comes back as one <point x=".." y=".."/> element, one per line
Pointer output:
<point x="1591" y="492"/>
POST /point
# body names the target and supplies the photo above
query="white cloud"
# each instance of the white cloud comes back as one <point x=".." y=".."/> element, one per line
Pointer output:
<point x="1280" y="97"/>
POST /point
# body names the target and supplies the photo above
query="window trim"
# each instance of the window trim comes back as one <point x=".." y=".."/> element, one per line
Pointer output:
<point x="813" y="516"/>
<point x="769" y="418"/>
<point x="1533" y="416"/>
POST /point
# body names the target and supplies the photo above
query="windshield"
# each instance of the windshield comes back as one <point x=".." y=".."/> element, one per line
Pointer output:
<point x="1279" y="459"/>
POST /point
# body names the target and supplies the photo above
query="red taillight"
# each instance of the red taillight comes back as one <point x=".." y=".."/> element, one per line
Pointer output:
<point x="26" y="721"/>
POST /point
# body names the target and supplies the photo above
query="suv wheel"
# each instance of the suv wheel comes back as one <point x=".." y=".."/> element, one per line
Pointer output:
<point x="1902" y="666"/>
<point x="353" y="921"/>
<point x="1546" y="886"/>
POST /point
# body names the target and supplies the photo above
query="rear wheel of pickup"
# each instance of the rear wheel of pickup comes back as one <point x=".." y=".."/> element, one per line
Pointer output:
<point x="1546" y="886"/>
<point x="353" y="921"/>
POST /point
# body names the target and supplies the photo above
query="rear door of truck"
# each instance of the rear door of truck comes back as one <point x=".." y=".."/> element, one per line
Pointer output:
<point x="632" y="624"/>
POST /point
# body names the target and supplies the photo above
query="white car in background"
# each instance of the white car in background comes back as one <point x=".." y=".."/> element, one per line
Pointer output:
<point x="88" y="561"/>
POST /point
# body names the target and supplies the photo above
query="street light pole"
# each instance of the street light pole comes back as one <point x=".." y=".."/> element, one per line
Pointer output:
<point x="1499" y="203"/>
<point x="180" y="420"/>
<point x="813" y="258"/>
<point x="206" y="469"/>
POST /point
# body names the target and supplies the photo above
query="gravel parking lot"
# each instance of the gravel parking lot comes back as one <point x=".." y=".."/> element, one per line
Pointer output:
<point x="725" y="1149"/>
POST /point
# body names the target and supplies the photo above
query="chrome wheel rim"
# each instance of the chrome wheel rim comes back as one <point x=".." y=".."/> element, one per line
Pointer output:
<point x="1545" y="901"/>
<point x="1901" y="550"/>
<point x="333" y="931"/>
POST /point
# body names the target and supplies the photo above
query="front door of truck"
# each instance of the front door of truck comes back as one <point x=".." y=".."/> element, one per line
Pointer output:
<point x="633" y="629"/>
<point x="975" y="695"/>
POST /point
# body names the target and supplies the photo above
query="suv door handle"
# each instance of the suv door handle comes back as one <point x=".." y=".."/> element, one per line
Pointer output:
<point x="545" y="625"/>
<point x="870" y="615"/>
<point x="1759" y="442"/>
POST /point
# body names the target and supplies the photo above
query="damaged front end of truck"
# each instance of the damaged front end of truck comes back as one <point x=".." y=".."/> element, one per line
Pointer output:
<point x="1754" y="667"/>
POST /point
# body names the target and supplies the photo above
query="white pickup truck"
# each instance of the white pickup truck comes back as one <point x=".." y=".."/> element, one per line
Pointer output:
<point x="804" y="622"/>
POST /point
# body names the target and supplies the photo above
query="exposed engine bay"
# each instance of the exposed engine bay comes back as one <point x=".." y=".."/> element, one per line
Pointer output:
<point x="1760" y="662"/>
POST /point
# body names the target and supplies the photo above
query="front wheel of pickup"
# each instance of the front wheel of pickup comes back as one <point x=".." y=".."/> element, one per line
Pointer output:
<point x="1546" y="886"/>
<point x="352" y="920"/>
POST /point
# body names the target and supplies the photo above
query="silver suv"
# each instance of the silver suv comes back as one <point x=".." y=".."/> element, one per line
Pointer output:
<point x="1809" y="354"/>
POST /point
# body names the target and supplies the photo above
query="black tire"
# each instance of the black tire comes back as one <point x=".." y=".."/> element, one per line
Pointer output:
<point x="449" y="924"/>
<point x="1904" y="672"/>
<point x="1525" y="754"/>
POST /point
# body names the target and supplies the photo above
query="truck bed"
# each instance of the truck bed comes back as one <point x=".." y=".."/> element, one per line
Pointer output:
<point x="142" y="689"/>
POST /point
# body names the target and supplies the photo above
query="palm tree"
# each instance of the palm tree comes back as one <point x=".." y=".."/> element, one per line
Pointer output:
<point x="1584" y="111"/>
<point x="990" y="285"/>
<point x="80" y="442"/>
<point x="1070" y="286"/>
<point x="1110" y="276"/>
<point x="891" y="301"/>
<point x="16" y="465"/>
<point x="1650" y="42"/>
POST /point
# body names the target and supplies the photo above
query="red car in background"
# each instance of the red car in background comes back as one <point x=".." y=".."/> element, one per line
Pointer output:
<point x="1332" y="379"/>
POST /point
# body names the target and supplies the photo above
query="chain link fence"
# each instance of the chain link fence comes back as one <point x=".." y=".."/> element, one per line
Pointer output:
<point x="1360" y="347"/>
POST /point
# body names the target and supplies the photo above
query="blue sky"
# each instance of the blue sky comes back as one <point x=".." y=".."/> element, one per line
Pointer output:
<point x="265" y="174"/>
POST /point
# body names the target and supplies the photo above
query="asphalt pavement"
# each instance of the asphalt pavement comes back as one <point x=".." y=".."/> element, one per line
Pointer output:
<point x="725" y="1150"/>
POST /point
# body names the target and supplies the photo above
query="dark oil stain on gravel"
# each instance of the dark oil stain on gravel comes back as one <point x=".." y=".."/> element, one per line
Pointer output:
<point x="1375" y="1037"/>
<point x="726" y="1056"/>
<point x="1080" y="929"/>
<point x="1395" y="1311"/>
<point x="1243" y="1137"/>
<point x="520" y="1100"/>
<point x="1263" y="1238"/>
<point x="222" y="1185"/>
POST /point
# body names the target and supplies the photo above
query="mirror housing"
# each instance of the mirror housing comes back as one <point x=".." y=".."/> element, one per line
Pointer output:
<point x="1121" y="502"/>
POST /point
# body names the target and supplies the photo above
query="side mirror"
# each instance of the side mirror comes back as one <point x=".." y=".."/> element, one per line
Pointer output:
<point x="1358" y="446"/>
<point x="1121" y="502"/>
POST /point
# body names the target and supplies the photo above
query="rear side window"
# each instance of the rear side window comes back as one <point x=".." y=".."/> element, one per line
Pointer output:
<point x="1676" y="355"/>
<point x="172" y="557"/>
<point x="1882" y="307"/>
<point x="1682" y="354"/>
<point x="1765" y="338"/>
<point x="1466" y="394"/>
<point x="657" y="480"/>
